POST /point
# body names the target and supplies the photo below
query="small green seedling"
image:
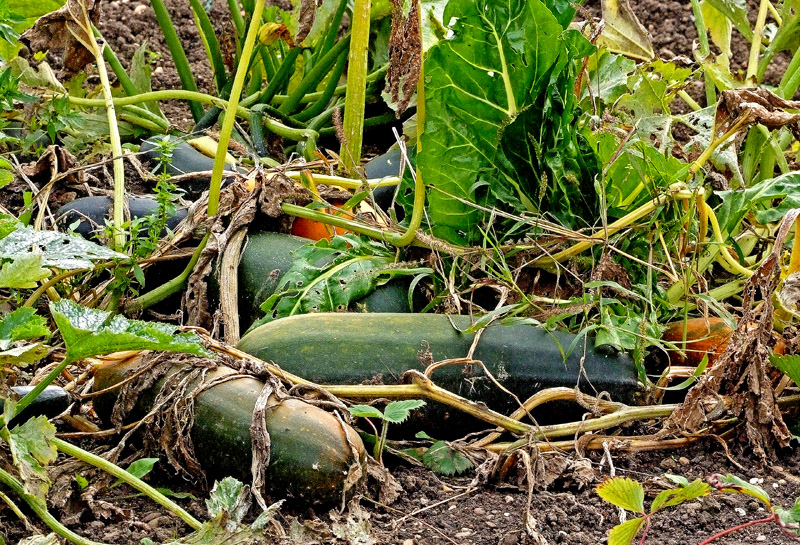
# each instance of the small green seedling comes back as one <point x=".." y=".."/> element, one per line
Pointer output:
<point x="629" y="495"/>
<point x="394" y="413"/>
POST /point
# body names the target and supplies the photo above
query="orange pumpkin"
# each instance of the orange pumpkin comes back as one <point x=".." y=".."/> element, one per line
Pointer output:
<point x="703" y="336"/>
<point x="316" y="230"/>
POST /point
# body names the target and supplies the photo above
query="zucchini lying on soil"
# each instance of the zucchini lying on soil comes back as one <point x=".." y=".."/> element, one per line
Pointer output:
<point x="267" y="257"/>
<point x="341" y="348"/>
<point x="312" y="453"/>
<point x="92" y="212"/>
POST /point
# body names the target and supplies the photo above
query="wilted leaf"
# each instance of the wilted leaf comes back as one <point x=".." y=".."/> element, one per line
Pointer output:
<point x="676" y="496"/>
<point x="623" y="534"/>
<point x="623" y="492"/>
<point x="397" y="411"/>
<point x="444" y="459"/>
<point x="59" y="250"/>
<point x="732" y="483"/>
<point x="49" y="539"/>
<point x="230" y="497"/>
<point x="31" y="450"/>
<point x="623" y="33"/>
<point x="88" y="332"/>
<point x="23" y="272"/>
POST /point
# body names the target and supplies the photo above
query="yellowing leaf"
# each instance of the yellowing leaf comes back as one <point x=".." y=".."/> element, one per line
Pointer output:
<point x="23" y="272"/>
<point x="623" y="33"/>
<point x="623" y="534"/>
<point x="623" y="492"/>
<point x="719" y="26"/>
<point x="269" y="33"/>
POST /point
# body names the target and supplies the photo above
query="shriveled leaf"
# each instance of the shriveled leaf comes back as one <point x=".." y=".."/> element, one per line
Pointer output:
<point x="230" y="497"/>
<point x="59" y="250"/>
<point x="623" y="33"/>
<point x="89" y="332"/>
<point x="365" y="411"/>
<point x="398" y="411"/>
<point x="789" y="365"/>
<point x="31" y="451"/>
<point x="329" y="276"/>
<point x="623" y="492"/>
<point x="23" y="272"/>
<point x="267" y="516"/>
<point x="444" y="459"/>
<point x="732" y="483"/>
<point x="49" y="539"/>
<point x="676" y="496"/>
<point x="624" y="534"/>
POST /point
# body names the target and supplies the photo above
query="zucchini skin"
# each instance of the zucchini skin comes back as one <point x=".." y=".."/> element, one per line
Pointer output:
<point x="344" y="348"/>
<point x="310" y="454"/>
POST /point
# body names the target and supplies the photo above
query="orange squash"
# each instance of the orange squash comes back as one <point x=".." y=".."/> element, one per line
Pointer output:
<point x="703" y="336"/>
<point x="316" y="230"/>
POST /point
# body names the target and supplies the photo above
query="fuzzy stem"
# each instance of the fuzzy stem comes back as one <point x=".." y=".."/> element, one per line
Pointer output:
<point x="124" y="476"/>
<point x="230" y="117"/>
<point x="355" y="97"/>
<point x="39" y="507"/>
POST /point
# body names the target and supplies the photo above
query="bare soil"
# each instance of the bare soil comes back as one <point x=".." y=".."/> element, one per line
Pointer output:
<point x="432" y="509"/>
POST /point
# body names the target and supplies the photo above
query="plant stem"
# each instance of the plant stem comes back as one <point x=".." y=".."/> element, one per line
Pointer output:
<point x="314" y="76"/>
<point x="28" y="398"/>
<point x="381" y="442"/>
<point x="124" y="476"/>
<point x="755" y="47"/>
<point x="704" y="50"/>
<point x="353" y="125"/>
<point x="794" y="261"/>
<point x="230" y="117"/>
<point x="168" y="288"/>
<point x="39" y="507"/>
<point x="771" y="518"/>
<point x="171" y="94"/>
<point x="178" y="54"/>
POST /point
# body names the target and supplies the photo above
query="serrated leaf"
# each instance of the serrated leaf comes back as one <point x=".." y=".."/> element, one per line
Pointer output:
<point x="732" y="483"/>
<point x="624" y="534"/>
<point x="89" y="332"/>
<point x="31" y="450"/>
<point x="676" y="496"/>
<point x="365" y="411"/>
<point x="229" y="496"/>
<point x="623" y="33"/>
<point x="442" y="458"/>
<point x="59" y="250"/>
<point x="397" y="411"/>
<point x="23" y="272"/>
<point x="790" y="365"/>
<point x="21" y="325"/>
<point x="623" y="492"/>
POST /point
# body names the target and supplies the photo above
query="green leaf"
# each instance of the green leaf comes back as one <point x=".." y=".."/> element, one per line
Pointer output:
<point x="732" y="483"/>
<point x="789" y="365"/>
<point x="761" y="198"/>
<point x="23" y="272"/>
<point x="676" y="496"/>
<point x="59" y="250"/>
<point x="624" y="534"/>
<point x="88" y="332"/>
<point x="443" y="459"/>
<point x="139" y="469"/>
<point x="31" y="450"/>
<point x="365" y="411"/>
<point x="499" y="115"/>
<point x="623" y="492"/>
<point x="623" y="33"/>
<point x="608" y="77"/>
<point x="22" y="324"/>
<point x="677" y="479"/>
<point x="398" y="411"/>
<point x="81" y="480"/>
<point x="330" y="276"/>
<point x="736" y="11"/>
<point x="229" y="497"/>
<point x="719" y="27"/>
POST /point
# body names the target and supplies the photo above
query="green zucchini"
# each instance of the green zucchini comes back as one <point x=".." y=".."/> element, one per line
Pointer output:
<point x="311" y="452"/>
<point x="351" y="348"/>
<point x="266" y="258"/>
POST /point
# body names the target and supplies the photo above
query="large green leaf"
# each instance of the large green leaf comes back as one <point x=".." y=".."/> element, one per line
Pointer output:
<point x="88" y="332"/>
<point x="736" y="11"/>
<point x="499" y="107"/>
<point x="59" y="250"/>
<point x="790" y="365"/>
<point x="761" y="199"/>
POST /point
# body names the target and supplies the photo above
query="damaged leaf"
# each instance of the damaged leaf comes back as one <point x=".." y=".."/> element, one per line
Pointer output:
<point x="23" y="272"/>
<point x="31" y="450"/>
<point x="623" y="33"/>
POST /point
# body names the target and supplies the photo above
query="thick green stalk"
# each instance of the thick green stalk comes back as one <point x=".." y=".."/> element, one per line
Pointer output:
<point x="327" y="94"/>
<point x="230" y="110"/>
<point x="178" y="54"/>
<point x="277" y="82"/>
<point x="211" y="43"/>
<point x="236" y="17"/>
<point x="39" y="507"/>
<point x="116" y="471"/>
<point x="355" y="98"/>
<point x="791" y="78"/>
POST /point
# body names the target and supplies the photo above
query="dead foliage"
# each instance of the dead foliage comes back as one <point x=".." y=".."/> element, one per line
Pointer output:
<point x="743" y="372"/>
<point x="740" y="107"/>
<point x="405" y="54"/>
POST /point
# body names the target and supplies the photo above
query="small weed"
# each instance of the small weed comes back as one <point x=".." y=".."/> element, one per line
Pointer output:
<point x="395" y="413"/>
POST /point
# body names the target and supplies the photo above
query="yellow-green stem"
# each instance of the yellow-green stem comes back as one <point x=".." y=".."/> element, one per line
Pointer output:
<point x="755" y="47"/>
<point x="355" y="98"/>
<point x="230" y="118"/>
